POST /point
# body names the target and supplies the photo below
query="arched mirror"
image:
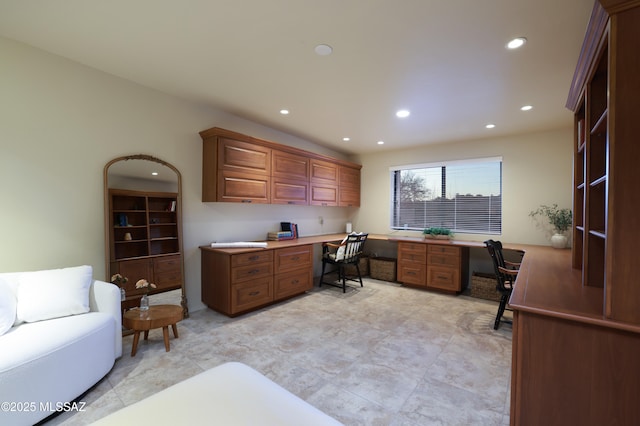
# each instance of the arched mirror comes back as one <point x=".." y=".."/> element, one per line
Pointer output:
<point x="143" y="229"/>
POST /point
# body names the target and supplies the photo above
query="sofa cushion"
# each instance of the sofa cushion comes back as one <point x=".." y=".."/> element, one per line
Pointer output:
<point x="54" y="293"/>
<point x="7" y="307"/>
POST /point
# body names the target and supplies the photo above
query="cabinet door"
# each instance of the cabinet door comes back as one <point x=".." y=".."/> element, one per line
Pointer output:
<point x="291" y="258"/>
<point x="293" y="282"/>
<point x="289" y="166"/>
<point x="412" y="263"/>
<point x="243" y="157"/>
<point x="324" y="171"/>
<point x="167" y="272"/>
<point x="251" y="294"/>
<point x="243" y="188"/>
<point x="289" y="191"/>
<point x="135" y="270"/>
<point x="323" y="194"/>
<point x="349" y="196"/>
<point x="443" y="278"/>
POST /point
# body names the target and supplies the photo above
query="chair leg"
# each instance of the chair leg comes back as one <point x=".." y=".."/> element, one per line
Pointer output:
<point x="344" y="279"/>
<point x="322" y="275"/>
<point x="359" y="276"/>
<point x="501" y="308"/>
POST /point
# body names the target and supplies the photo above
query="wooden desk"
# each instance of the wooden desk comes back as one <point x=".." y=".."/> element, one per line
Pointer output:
<point x="570" y="365"/>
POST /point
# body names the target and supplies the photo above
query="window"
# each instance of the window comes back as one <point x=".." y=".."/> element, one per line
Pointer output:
<point x="464" y="196"/>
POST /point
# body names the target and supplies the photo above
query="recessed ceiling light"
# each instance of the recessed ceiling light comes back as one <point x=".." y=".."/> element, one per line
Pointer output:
<point x="323" y="50"/>
<point x="516" y="43"/>
<point x="346" y="139"/>
<point x="154" y="173"/>
<point x="380" y="142"/>
<point x="490" y="126"/>
<point x="526" y="108"/>
<point x="284" y="111"/>
<point x="403" y="113"/>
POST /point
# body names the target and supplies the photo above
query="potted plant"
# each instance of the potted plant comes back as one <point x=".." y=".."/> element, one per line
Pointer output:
<point x="559" y="218"/>
<point x="438" y="233"/>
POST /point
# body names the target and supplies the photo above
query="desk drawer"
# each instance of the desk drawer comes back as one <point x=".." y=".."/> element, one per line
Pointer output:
<point x="412" y="273"/>
<point x="291" y="258"/>
<point x="443" y="278"/>
<point x="251" y="272"/>
<point x="251" y="294"/>
<point x="412" y="253"/>
<point x="293" y="282"/>
<point x="251" y="258"/>
<point x="443" y="260"/>
<point x="443" y="249"/>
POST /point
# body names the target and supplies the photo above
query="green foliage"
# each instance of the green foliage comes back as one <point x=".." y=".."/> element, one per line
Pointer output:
<point x="559" y="218"/>
<point x="437" y="231"/>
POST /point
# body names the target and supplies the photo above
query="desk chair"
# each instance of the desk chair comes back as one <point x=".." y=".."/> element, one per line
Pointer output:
<point x="348" y="252"/>
<point x="506" y="273"/>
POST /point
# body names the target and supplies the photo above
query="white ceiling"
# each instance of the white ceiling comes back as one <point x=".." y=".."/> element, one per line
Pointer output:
<point x="445" y="60"/>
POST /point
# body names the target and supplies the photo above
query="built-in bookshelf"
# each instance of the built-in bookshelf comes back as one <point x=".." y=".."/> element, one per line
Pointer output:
<point x="145" y="238"/>
<point x="605" y="102"/>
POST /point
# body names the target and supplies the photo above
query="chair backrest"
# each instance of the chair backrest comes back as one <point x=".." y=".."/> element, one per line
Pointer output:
<point x="495" y="251"/>
<point x="353" y="247"/>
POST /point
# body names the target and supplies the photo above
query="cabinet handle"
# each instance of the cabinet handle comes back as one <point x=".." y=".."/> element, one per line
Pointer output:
<point x="252" y="258"/>
<point x="254" y="293"/>
<point x="295" y="258"/>
<point x="442" y="277"/>
<point x="295" y="282"/>
<point x="411" y="273"/>
<point x="246" y="201"/>
<point x="254" y="271"/>
<point x="290" y="202"/>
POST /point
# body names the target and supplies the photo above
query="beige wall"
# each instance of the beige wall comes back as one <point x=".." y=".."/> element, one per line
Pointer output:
<point x="536" y="169"/>
<point x="61" y="122"/>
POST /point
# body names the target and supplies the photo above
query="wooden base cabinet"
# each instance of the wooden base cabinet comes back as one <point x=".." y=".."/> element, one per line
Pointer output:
<point x="433" y="266"/>
<point x="236" y="281"/>
<point x="573" y="373"/>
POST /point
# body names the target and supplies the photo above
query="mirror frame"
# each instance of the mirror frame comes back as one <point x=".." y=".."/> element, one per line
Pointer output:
<point x="107" y="231"/>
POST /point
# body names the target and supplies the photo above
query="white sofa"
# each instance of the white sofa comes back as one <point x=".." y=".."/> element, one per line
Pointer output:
<point x="60" y="333"/>
<point x="229" y="394"/>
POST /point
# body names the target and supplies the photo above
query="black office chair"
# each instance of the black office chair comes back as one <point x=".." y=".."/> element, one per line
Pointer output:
<point x="506" y="273"/>
<point x="348" y="252"/>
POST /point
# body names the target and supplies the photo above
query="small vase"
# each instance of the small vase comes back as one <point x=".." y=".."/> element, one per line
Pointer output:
<point x="559" y="241"/>
<point x="144" y="303"/>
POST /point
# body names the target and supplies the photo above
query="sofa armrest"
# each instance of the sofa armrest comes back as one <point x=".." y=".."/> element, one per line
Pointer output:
<point x="105" y="297"/>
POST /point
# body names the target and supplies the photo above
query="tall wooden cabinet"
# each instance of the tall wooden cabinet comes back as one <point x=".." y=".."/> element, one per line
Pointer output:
<point x="576" y="330"/>
<point x="145" y="238"/>
<point x="605" y="97"/>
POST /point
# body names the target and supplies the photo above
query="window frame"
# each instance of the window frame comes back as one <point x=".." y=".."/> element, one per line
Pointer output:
<point x="442" y="164"/>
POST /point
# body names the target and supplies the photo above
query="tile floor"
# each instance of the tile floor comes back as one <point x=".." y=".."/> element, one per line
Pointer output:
<point x="379" y="355"/>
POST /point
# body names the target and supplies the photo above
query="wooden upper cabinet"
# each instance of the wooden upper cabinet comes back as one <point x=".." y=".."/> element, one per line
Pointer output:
<point x="240" y="168"/>
<point x="349" y="186"/>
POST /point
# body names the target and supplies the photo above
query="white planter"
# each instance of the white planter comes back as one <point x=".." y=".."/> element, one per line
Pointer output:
<point x="559" y="241"/>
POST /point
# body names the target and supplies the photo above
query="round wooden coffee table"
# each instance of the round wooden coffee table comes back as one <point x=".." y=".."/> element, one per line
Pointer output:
<point x="155" y="317"/>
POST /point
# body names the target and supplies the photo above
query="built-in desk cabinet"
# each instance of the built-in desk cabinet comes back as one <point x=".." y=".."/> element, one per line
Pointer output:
<point x="242" y="169"/>
<point x="236" y="281"/>
<point x="432" y="266"/>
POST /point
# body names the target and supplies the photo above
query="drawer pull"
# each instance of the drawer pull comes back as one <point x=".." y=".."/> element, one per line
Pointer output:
<point x="254" y="293"/>
<point x="254" y="271"/>
<point x="295" y="258"/>
<point x="295" y="282"/>
<point x="252" y="258"/>
<point x="443" y="277"/>
<point x="246" y="201"/>
<point x="411" y="273"/>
